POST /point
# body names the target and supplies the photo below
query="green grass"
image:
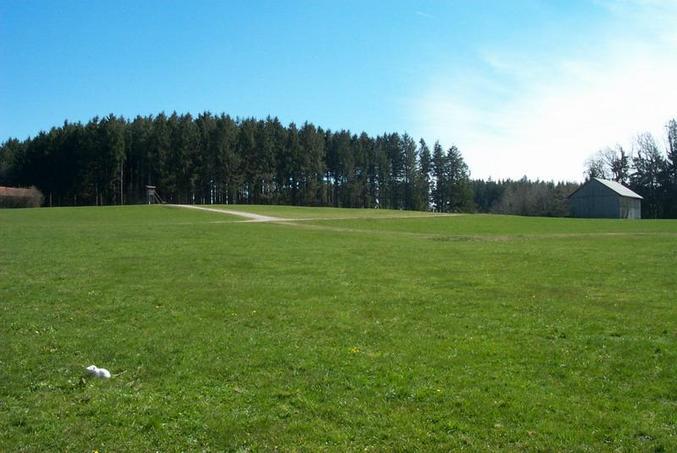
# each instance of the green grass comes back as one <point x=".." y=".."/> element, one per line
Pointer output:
<point x="440" y="333"/>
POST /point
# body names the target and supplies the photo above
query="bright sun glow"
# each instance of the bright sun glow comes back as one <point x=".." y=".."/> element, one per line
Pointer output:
<point x="544" y="116"/>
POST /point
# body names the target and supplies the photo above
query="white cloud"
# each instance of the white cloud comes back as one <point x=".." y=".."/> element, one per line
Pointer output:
<point x="544" y="116"/>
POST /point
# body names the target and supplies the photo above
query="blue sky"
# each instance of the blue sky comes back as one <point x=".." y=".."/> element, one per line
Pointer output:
<point x="528" y="87"/>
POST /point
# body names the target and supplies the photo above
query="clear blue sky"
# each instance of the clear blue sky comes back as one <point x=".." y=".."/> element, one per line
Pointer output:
<point x="490" y="76"/>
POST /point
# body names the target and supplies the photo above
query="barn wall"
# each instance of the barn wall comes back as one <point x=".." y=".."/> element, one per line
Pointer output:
<point x="595" y="200"/>
<point x="635" y="211"/>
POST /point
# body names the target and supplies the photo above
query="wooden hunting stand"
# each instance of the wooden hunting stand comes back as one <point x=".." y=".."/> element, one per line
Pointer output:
<point x="152" y="196"/>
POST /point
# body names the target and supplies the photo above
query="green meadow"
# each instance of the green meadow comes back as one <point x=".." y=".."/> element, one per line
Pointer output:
<point x="343" y="330"/>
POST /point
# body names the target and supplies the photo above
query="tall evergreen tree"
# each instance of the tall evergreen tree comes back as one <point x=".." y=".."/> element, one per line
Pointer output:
<point x="312" y="165"/>
<point x="670" y="179"/>
<point x="409" y="172"/>
<point x="459" y="192"/>
<point x="423" y="180"/>
<point x="439" y="196"/>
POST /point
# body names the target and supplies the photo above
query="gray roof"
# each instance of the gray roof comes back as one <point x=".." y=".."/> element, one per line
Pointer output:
<point x="619" y="188"/>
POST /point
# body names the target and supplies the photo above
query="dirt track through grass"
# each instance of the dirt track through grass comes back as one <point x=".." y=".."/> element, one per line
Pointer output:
<point x="303" y="222"/>
<point x="250" y="216"/>
<point x="253" y="217"/>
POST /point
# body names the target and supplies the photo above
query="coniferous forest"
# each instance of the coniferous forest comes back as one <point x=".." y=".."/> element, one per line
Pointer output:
<point x="221" y="160"/>
<point x="218" y="159"/>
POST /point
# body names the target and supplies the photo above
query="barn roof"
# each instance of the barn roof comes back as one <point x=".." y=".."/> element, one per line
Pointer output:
<point x="14" y="192"/>
<point x="617" y="187"/>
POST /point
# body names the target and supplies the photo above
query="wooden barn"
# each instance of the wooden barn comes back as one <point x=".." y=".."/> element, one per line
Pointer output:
<point x="16" y="197"/>
<point x="605" y="199"/>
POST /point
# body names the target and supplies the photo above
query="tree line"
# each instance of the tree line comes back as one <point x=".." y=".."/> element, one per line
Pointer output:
<point x="217" y="159"/>
<point x="648" y="169"/>
<point x="522" y="197"/>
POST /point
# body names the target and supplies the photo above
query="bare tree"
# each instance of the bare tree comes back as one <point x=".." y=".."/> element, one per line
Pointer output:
<point x="595" y="167"/>
<point x="609" y="163"/>
<point x="649" y="165"/>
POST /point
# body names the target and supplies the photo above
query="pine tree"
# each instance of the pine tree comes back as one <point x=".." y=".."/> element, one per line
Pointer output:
<point x="311" y="164"/>
<point x="439" y="179"/>
<point x="457" y="180"/>
<point x="409" y="172"/>
<point x="670" y="180"/>
<point x="423" y="179"/>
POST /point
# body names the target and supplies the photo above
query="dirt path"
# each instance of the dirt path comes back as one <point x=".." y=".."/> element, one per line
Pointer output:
<point x="300" y="223"/>
<point x="251" y="217"/>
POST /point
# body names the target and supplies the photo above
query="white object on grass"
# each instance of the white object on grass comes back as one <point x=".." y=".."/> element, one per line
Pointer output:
<point x="98" y="372"/>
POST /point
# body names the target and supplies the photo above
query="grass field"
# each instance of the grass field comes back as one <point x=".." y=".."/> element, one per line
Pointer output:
<point x="369" y="333"/>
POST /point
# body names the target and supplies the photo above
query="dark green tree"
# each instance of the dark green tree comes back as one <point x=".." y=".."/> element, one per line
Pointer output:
<point x="459" y="192"/>
<point x="409" y="173"/>
<point x="439" y="189"/>
<point x="670" y="175"/>
<point x="422" y="186"/>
